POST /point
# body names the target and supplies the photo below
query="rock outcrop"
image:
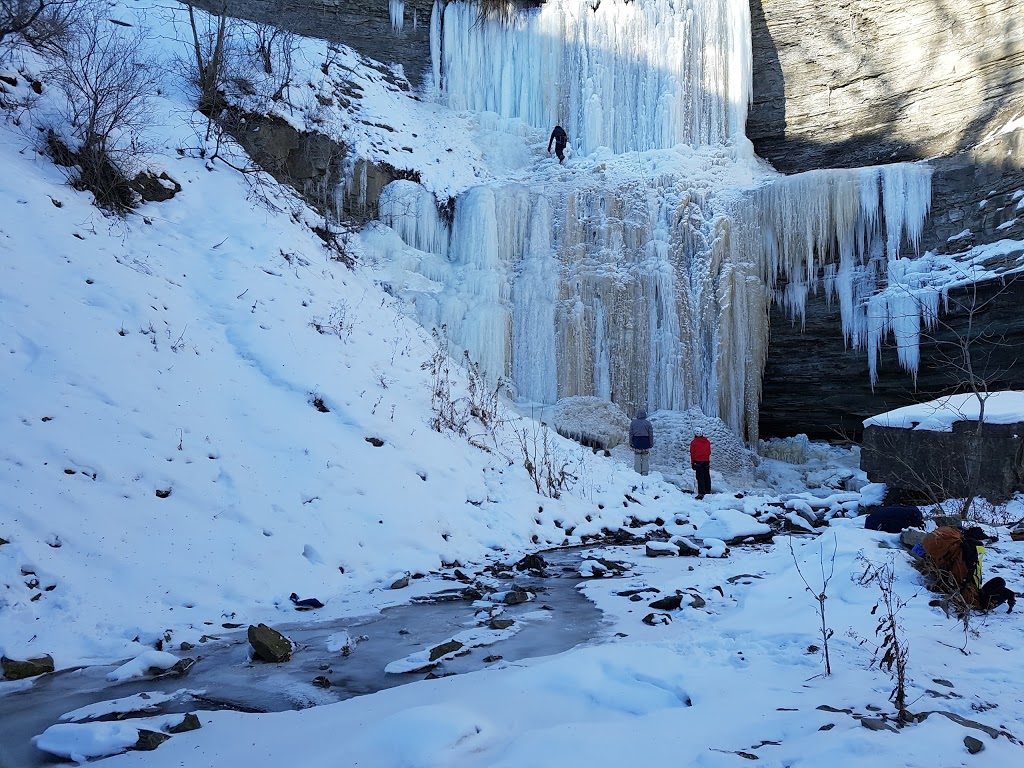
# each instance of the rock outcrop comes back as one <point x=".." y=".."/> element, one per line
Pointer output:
<point x="941" y="465"/>
<point x="364" y="25"/>
<point x="844" y="83"/>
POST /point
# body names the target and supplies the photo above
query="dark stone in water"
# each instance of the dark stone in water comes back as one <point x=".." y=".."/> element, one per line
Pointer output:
<point x="19" y="670"/>
<point x="444" y="649"/>
<point x="269" y="644"/>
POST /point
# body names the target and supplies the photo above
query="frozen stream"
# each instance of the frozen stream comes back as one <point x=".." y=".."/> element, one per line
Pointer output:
<point x="557" y="619"/>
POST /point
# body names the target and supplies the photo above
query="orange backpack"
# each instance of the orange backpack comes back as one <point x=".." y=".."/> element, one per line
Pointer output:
<point x="945" y="547"/>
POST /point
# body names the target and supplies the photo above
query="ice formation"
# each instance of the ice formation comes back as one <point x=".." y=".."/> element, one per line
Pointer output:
<point x="618" y="74"/>
<point x="646" y="279"/>
<point x="396" y="8"/>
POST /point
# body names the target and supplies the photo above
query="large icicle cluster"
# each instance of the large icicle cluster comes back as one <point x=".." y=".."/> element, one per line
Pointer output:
<point x="618" y="74"/>
<point x="842" y="230"/>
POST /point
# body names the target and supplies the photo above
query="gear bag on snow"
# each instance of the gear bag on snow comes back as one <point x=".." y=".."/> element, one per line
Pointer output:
<point x="945" y="547"/>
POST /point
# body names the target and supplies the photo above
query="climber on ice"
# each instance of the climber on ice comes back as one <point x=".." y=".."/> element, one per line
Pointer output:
<point x="559" y="138"/>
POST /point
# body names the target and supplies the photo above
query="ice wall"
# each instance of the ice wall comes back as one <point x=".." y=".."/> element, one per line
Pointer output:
<point x="605" y="286"/>
<point x="616" y="73"/>
<point x="643" y="277"/>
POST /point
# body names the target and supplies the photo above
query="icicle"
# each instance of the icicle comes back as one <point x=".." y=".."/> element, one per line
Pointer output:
<point x="411" y="211"/>
<point x="397" y="11"/>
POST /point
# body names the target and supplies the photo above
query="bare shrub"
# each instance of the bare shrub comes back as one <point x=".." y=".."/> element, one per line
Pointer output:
<point x="454" y="413"/>
<point x="337" y="323"/>
<point x="551" y="472"/>
<point x="893" y="651"/>
<point x="820" y="596"/>
<point x="107" y="80"/>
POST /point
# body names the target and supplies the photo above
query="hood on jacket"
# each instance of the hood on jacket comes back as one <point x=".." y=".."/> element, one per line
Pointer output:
<point x="641" y="414"/>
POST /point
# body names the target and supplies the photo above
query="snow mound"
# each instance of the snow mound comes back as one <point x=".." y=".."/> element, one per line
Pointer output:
<point x="673" y="431"/>
<point x="591" y="421"/>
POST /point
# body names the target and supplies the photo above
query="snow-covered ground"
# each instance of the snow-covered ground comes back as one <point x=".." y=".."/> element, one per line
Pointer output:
<point x="165" y="471"/>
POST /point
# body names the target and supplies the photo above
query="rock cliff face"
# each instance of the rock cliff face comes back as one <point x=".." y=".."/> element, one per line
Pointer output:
<point x="843" y="83"/>
<point x="846" y="83"/>
<point x="364" y="25"/>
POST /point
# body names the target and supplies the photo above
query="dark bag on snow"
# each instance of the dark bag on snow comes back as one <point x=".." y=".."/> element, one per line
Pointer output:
<point x="894" y="519"/>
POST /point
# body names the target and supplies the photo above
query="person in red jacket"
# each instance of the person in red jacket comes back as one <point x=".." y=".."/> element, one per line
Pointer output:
<point x="700" y="461"/>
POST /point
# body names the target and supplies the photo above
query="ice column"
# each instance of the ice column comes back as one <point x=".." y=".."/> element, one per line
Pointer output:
<point x="534" y="300"/>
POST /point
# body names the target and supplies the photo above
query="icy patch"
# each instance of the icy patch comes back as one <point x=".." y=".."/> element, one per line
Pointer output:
<point x="140" y="702"/>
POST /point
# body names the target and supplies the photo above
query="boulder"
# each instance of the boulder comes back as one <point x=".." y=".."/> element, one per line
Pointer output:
<point x="939" y="464"/>
<point x="668" y="603"/>
<point x="531" y="563"/>
<point x="149" y="740"/>
<point x="660" y="549"/>
<point x="155" y="188"/>
<point x="268" y="644"/>
<point x="686" y="548"/>
<point x="498" y="623"/>
<point x="974" y="746"/>
<point x="516" y="596"/>
<point x="911" y="536"/>
<point x="189" y="723"/>
<point x="19" y="670"/>
<point x="877" y="724"/>
<point x="400" y="583"/>
<point x="444" y="649"/>
<point x="656" y="619"/>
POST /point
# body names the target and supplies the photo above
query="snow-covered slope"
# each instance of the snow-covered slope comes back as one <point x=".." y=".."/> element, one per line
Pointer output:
<point x="164" y="465"/>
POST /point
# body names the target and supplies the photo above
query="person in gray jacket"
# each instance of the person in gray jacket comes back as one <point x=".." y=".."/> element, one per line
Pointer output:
<point x="641" y="440"/>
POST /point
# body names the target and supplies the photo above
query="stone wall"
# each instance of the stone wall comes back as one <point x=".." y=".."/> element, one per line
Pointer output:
<point x="932" y="466"/>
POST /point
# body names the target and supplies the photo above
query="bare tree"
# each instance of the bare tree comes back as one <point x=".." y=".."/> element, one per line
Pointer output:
<point x="106" y="78"/>
<point x="274" y="49"/>
<point x="970" y="351"/>
<point x="42" y="24"/>
<point x="969" y="346"/>
<point x="209" y="42"/>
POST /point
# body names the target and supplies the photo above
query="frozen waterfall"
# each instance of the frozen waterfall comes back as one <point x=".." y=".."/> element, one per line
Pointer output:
<point x="643" y="271"/>
<point x="618" y="74"/>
